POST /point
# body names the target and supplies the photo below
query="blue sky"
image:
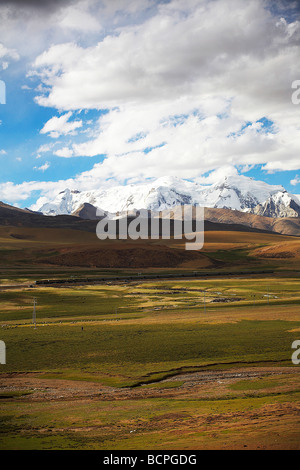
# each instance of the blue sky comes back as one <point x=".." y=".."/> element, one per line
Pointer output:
<point x="102" y="93"/>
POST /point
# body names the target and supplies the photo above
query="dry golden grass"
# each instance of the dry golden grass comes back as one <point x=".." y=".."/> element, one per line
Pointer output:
<point x="286" y="249"/>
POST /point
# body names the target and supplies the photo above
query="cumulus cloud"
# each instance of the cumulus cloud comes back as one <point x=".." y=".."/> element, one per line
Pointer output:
<point x="180" y="88"/>
<point x="175" y="54"/>
<point x="59" y="21"/>
<point x="57" y="126"/>
<point x="11" y="192"/>
<point x="188" y="87"/>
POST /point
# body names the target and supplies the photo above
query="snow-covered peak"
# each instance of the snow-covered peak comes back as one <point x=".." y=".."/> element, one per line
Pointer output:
<point x="245" y="185"/>
<point x="62" y="204"/>
<point x="237" y="192"/>
<point x="280" y="204"/>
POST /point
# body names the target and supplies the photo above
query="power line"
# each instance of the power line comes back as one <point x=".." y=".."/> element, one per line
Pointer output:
<point x="34" y="311"/>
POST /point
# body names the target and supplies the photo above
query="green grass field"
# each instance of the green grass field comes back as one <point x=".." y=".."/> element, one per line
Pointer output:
<point x="149" y="338"/>
<point x="128" y="352"/>
<point x="130" y="331"/>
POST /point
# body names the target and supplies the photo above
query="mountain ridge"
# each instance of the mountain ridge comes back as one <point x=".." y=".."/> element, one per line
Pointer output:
<point x="215" y="219"/>
<point x="237" y="192"/>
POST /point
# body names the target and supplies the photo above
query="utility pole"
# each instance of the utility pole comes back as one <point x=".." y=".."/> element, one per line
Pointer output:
<point x="34" y="312"/>
<point x="204" y="303"/>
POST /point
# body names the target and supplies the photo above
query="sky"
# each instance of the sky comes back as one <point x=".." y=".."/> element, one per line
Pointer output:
<point x="107" y="92"/>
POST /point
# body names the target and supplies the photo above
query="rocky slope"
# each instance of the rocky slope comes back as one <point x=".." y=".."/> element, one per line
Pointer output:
<point x="281" y="204"/>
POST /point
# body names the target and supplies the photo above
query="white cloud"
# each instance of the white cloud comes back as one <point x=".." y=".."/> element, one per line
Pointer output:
<point x="217" y="175"/>
<point x="64" y="152"/>
<point x="183" y="82"/>
<point x="295" y="181"/>
<point x="12" y="192"/>
<point x="43" y="167"/>
<point x="172" y="54"/>
<point x="7" y="54"/>
<point x="2" y="152"/>
<point x="60" y="21"/>
<point x="57" y="126"/>
<point x="79" y="19"/>
<point x="44" y="148"/>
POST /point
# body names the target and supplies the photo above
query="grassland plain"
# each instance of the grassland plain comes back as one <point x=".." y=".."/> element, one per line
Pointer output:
<point x="154" y="364"/>
<point x="144" y="365"/>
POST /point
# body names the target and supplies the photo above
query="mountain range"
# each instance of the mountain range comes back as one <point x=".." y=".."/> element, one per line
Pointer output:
<point x="215" y="219"/>
<point x="238" y="192"/>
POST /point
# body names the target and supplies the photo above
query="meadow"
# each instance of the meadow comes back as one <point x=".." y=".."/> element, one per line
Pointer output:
<point x="137" y="365"/>
<point x="183" y="363"/>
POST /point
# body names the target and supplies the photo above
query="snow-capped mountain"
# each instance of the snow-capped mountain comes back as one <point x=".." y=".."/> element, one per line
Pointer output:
<point x="281" y="204"/>
<point x="233" y="192"/>
<point x="158" y="195"/>
<point x="237" y="192"/>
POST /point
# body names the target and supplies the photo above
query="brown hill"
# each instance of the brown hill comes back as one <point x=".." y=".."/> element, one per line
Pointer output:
<point x="215" y="220"/>
<point x="283" y="250"/>
<point x="286" y="226"/>
<point x="29" y="239"/>
<point x="13" y="216"/>
<point x="129" y="255"/>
